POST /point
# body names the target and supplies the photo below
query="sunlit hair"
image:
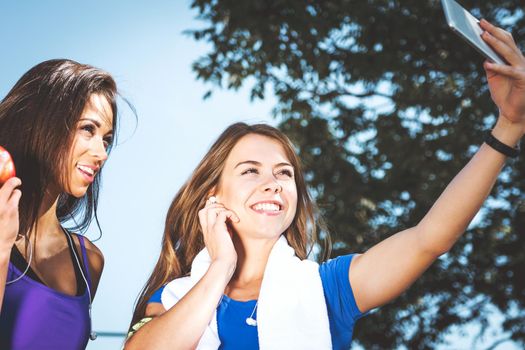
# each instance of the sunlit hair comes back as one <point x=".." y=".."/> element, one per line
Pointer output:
<point x="183" y="237"/>
<point x="38" y="119"/>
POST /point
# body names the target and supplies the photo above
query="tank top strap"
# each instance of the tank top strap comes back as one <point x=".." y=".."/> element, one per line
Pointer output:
<point x="85" y="265"/>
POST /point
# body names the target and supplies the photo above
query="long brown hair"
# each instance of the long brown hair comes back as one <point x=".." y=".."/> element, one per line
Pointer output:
<point x="183" y="239"/>
<point x="37" y="122"/>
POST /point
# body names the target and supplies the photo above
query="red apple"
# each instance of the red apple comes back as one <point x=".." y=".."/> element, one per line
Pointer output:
<point x="7" y="167"/>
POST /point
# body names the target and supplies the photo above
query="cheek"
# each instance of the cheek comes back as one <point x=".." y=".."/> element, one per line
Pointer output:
<point x="291" y="191"/>
<point x="233" y="194"/>
<point x="78" y="146"/>
<point x="66" y="177"/>
<point x="63" y="172"/>
<point x="72" y="153"/>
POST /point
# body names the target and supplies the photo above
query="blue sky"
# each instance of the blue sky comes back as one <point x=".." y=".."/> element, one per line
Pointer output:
<point x="144" y="48"/>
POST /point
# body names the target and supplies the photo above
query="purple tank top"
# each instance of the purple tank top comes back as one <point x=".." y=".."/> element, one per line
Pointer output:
<point x="35" y="316"/>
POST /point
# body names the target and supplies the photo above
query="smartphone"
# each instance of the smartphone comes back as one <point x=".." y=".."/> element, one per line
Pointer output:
<point x="467" y="27"/>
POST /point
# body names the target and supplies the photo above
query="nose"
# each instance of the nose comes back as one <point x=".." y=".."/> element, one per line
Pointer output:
<point x="99" y="149"/>
<point x="271" y="185"/>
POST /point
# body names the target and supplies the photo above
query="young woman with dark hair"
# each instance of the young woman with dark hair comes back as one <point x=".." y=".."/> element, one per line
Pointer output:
<point x="232" y="272"/>
<point x="58" y="123"/>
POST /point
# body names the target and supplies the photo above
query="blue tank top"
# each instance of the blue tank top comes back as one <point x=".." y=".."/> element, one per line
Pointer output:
<point x="35" y="316"/>
<point x="342" y="309"/>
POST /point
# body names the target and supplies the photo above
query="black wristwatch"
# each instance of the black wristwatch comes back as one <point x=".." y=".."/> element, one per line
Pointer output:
<point x="500" y="146"/>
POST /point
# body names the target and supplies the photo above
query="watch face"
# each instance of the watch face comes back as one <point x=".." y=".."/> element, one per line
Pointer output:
<point x="7" y="167"/>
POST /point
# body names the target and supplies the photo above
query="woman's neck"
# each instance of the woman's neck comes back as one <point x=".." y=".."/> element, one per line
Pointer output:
<point x="252" y="256"/>
<point x="46" y="236"/>
<point x="47" y="223"/>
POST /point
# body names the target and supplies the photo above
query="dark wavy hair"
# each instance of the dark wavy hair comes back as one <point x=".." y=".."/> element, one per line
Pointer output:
<point x="38" y="118"/>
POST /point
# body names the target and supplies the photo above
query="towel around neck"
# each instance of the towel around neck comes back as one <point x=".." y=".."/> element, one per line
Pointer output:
<point x="292" y="311"/>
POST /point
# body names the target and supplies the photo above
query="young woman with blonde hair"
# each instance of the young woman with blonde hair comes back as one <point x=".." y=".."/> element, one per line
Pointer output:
<point x="233" y="274"/>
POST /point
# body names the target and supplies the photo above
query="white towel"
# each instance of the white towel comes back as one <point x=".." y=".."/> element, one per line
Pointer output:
<point x="291" y="313"/>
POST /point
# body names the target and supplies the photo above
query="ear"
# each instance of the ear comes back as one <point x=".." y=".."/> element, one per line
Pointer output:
<point x="212" y="191"/>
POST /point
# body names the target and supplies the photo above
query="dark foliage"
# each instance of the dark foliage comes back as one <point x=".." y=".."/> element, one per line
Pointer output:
<point x="385" y="105"/>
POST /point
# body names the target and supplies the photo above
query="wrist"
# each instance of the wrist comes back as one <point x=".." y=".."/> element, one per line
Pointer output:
<point x="504" y="137"/>
<point x="508" y="132"/>
<point x="224" y="267"/>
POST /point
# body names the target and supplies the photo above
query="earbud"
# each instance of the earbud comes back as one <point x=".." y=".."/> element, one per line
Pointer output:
<point x="250" y="321"/>
<point x="92" y="333"/>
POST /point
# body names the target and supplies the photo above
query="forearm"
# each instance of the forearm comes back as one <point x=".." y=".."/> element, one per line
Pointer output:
<point x="182" y="326"/>
<point x="458" y="204"/>
<point x="388" y="268"/>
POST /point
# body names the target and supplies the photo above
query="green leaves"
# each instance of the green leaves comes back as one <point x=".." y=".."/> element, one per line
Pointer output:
<point x="385" y="104"/>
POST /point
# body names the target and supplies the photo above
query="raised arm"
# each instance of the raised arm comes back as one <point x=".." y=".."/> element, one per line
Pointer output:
<point x="390" y="267"/>
<point x="182" y="326"/>
<point x="9" y="198"/>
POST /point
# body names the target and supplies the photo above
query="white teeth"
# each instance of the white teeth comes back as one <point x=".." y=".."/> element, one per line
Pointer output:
<point x="266" y="207"/>
<point x="86" y="169"/>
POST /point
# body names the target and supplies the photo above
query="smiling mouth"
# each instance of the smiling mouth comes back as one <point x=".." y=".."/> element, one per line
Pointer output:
<point x="267" y="207"/>
<point x="86" y="170"/>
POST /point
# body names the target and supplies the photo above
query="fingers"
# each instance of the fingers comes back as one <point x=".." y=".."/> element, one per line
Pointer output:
<point x="8" y="188"/>
<point x="10" y="208"/>
<point x="497" y="32"/>
<point x="514" y="73"/>
<point x="509" y="53"/>
<point x="502" y="42"/>
<point x="215" y="213"/>
<point x="203" y="214"/>
<point x="9" y="200"/>
<point x="221" y="219"/>
<point x="15" y="198"/>
<point x="213" y="205"/>
<point x="500" y="47"/>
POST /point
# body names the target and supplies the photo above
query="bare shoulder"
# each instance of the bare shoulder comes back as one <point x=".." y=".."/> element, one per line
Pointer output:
<point x="95" y="255"/>
<point x="95" y="260"/>
<point x="355" y="259"/>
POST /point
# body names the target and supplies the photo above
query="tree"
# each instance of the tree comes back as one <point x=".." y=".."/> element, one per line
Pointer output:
<point x="385" y="105"/>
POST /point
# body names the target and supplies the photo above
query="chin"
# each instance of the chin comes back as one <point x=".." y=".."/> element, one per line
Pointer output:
<point x="260" y="232"/>
<point x="79" y="192"/>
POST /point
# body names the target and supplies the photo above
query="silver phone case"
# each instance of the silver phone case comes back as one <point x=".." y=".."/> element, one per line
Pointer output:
<point x="467" y="26"/>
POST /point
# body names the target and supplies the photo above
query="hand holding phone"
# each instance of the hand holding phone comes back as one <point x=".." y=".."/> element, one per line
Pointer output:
<point x="467" y="26"/>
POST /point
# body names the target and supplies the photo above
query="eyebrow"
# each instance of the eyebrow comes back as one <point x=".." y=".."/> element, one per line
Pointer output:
<point x="97" y="124"/>
<point x="256" y="163"/>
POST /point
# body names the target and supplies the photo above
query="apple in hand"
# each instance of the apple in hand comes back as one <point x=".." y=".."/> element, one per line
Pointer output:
<point x="7" y="167"/>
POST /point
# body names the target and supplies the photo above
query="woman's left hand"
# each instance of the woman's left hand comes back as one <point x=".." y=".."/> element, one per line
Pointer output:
<point x="506" y="82"/>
